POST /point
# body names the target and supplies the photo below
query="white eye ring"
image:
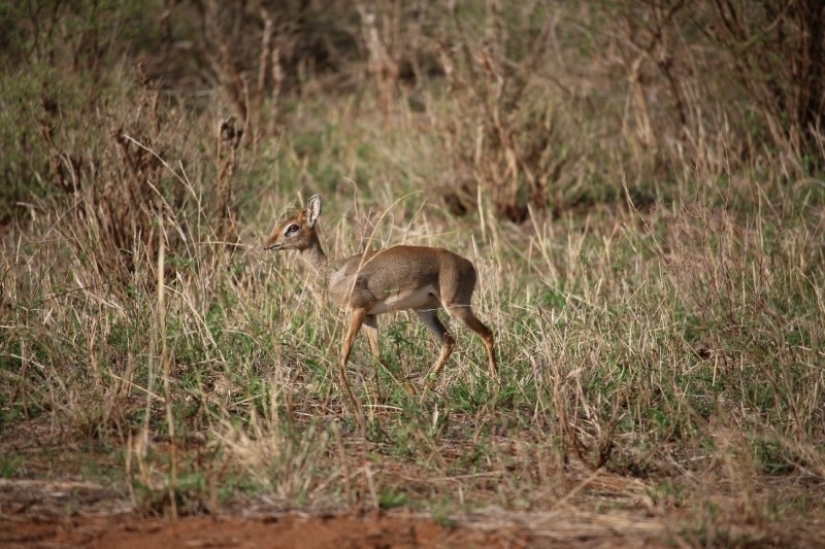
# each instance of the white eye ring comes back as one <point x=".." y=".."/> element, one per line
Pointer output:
<point x="292" y="229"/>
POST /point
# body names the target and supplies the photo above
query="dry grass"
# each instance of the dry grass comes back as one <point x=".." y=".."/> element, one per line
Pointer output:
<point x="656" y="294"/>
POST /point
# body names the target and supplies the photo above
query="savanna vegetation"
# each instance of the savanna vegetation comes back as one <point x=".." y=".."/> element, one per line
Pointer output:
<point x="640" y="184"/>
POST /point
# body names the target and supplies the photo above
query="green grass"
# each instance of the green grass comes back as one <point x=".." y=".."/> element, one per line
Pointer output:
<point x="661" y="359"/>
<point x="598" y="362"/>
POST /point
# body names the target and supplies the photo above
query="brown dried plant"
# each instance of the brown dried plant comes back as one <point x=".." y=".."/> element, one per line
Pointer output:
<point x="776" y="51"/>
<point x="381" y="64"/>
<point x="498" y="140"/>
<point x="118" y="188"/>
<point x="227" y="142"/>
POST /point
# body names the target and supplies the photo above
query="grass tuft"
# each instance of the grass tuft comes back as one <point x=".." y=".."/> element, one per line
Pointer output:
<point x="648" y="242"/>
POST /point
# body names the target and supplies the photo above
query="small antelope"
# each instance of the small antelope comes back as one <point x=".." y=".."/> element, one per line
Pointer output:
<point x="420" y="278"/>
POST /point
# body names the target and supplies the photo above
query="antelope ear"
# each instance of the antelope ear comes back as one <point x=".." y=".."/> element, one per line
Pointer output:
<point x="313" y="210"/>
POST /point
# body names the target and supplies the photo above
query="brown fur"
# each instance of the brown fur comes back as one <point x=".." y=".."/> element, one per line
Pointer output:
<point x="418" y="278"/>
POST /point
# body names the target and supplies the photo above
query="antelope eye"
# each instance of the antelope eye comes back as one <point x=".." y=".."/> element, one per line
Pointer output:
<point x="292" y="229"/>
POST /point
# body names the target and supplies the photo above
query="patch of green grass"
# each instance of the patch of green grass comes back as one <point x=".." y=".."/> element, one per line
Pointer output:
<point x="667" y="355"/>
<point x="391" y="498"/>
<point x="9" y="465"/>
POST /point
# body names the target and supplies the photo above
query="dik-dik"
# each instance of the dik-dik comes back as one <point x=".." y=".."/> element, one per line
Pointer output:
<point x="419" y="278"/>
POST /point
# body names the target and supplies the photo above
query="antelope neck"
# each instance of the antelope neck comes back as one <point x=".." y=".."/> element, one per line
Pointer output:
<point x="315" y="257"/>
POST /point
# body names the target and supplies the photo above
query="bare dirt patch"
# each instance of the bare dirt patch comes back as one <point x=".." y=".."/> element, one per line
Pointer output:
<point x="40" y="513"/>
<point x="288" y="531"/>
<point x="69" y="513"/>
<point x="353" y="530"/>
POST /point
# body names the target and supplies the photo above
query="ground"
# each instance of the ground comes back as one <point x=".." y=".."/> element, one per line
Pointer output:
<point x="359" y="530"/>
<point x="80" y="514"/>
<point x="288" y="531"/>
<point x="36" y="513"/>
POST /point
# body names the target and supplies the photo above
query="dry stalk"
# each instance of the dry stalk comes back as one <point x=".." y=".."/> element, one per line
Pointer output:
<point x="777" y="52"/>
<point x="118" y="188"/>
<point x="493" y="137"/>
<point x="270" y="82"/>
<point x="380" y="63"/>
<point x="226" y="151"/>
<point x="218" y="52"/>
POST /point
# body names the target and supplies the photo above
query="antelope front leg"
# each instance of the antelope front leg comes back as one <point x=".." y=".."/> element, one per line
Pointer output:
<point x="356" y="320"/>
<point x="371" y="329"/>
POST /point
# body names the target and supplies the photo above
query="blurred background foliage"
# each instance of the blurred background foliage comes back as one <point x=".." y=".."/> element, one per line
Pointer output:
<point x="538" y="104"/>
